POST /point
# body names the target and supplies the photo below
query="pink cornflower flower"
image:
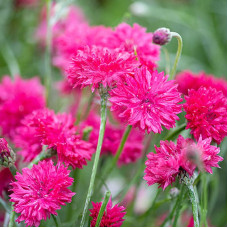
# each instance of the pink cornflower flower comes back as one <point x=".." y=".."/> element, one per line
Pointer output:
<point x="206" y="113"/>
<point x="113" y="215"/>
<point x="40" y="191"/>
<point x="172" y="159"/>
<point x="135" y="39"/>
<point x="188" y="80"/>
<point x="57" y="131"/>
<point x="17" y="99"/>
<point x="147" y="101"/>
<point x="133" y="147"/>
<point x="96" y="65"/>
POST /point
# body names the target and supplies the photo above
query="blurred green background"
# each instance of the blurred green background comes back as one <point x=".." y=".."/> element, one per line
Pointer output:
<point x="201" y="23"/>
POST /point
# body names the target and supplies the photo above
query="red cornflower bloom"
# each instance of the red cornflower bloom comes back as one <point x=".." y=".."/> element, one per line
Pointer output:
<point x="113" y="215"/>
<point x="147" y="100"/>
<point x="40" y="191"/>
<point x="135" y="39"/>
<point x="171" y="159"/>
<point x="206" y="113"/>
<point x="187" y="80"/>
<point x="17" y="99"/>
<point x="96" y="65"/>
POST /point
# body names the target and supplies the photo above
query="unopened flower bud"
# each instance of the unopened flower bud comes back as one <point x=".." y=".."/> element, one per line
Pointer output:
<point x="162" y="36"/>
<point x="174" y="192"/>
<point x="7" y="155"/>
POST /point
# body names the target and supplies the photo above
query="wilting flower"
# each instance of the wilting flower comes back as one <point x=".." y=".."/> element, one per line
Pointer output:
<point x="133" y="147"/>
<point x="135" y="39"/>
<point x="40" y="191"/>
<point x="113" y="215"/>
<point x="206" y="113"/>
<point x="17" y="99"/>
<point x="96" y="65"/>
<point x="172" y="159"/>
<point x="188" y="80"/>
<point x="147" y="100"/>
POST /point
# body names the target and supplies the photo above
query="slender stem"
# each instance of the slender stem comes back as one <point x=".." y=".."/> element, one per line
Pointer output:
<point x="56" y="220"/>
<point x="204" y="200"/>
<point x="118" y="153"/>
<point x="12" y="217"/>
<point x="43" y="155"/>
<point x="48" y="50"/>
<point x="13" y="169"/>
<point x="5" y="205"/>
<point x="102" y="209"/>
<point x="179" y="50"/>
<point x="192" y="196"/>
<point x="97" y="155"/>
<point x="167" y="60"/>
<point x="6" y="219"/>
<point x="176" y="131"/>
<point x="179" y="205"/>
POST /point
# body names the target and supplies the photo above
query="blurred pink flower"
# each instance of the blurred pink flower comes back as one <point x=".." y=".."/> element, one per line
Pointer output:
<point x="17" y="99"/>
<point x="147" y="101"/>
<point x="188" y="80"/>
<point x="206" y="113"/>
<point x="6" y="178"/>
<point x="40" y="191"/>
<point x="113" y="215"/>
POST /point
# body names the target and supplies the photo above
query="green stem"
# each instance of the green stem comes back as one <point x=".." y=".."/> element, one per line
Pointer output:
<point x="97" y="155"/>
<point x="13" y="169"/>
<point x="179" y="50"/>
<point x="192" y="196"/>
<point x="5" y="205"/>
<point x="176" y="131"/>
<point x="56" y="220"/>
<point x="12" y="217"/>
<point x="48" y="50"/>
<point x="102" y="209"/>
<point x="179" y="205"/>
<point x="204" y="201"/>
<point x="43" y="155"/>
<point x="167" y="59"/>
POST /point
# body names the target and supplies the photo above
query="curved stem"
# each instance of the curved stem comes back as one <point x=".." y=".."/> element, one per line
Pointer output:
<point x="48" y="50"/>
<point x="102" y="209"/>
<point x="167" y="60"/>
<point x="56" y="220"/>
<point x="192" y="196"/>
<point x="179" y="50"/>
<point x="13" y="169"/>
<point x="97" y="155"/>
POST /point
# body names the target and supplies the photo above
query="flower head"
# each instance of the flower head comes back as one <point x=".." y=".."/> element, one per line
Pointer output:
<point x="17" y="99"/>
<point x="206" y="113"/>
<point x="96" y="65"/>
<point x="113" y="215"/>
<point x="172" y="159"/>
<point x="162" y="36"/>
<point x="7" y="155"/>
<point x="187" y="80"/>
<point x="40" y="191"/>
<point x="147" y="100"/>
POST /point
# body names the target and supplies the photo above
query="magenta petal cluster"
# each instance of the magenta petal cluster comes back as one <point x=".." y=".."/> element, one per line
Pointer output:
<point x="113" y="215"/>
<point x="147" y="101"/>
<point x="206" y="113"/>
<point x="57" y="131"/>
<point x="40" y="191"/>
<point x="188" y="80"/>
<point x="171" y="159"/>
<point x="17" y="99"/>
<point x="98" y="65"/>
